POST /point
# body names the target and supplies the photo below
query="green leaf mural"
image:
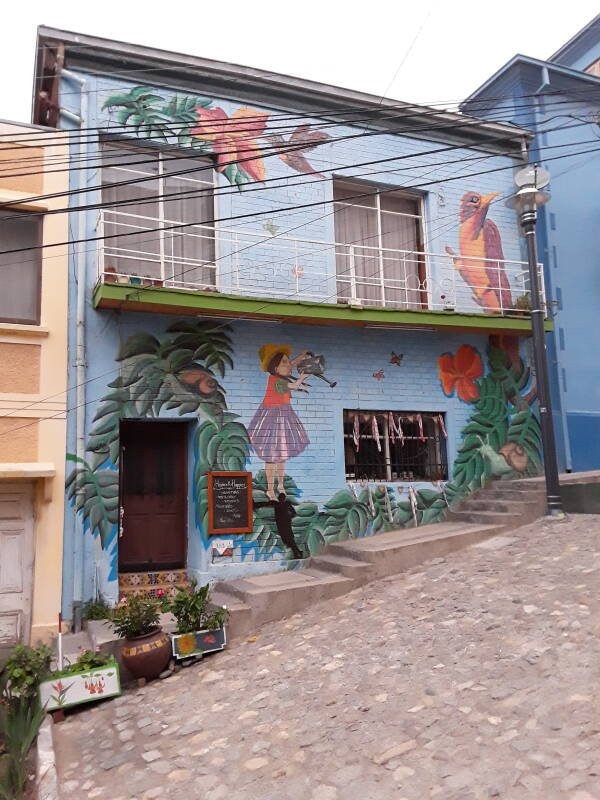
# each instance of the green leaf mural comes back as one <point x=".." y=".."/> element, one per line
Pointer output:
<point x="195" y="122"/>
<point x="179" y="372"/>
<point x="175" y="373"/>
<point x="95" y="495"/>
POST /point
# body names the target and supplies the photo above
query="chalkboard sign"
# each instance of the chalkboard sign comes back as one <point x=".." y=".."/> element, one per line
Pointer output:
<point x="229" y="502"/>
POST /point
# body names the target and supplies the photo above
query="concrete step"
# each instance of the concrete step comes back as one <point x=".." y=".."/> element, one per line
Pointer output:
<point x="483" y="503"/>
<point x="72" y="645"/>
<point x="344" y="565"/>
<point x="240" y="614"/>
<point x="512" y="489"/>
<point x="498" y="518"/>
<point x="396" y="551"/>
<point x="280" y="594"/>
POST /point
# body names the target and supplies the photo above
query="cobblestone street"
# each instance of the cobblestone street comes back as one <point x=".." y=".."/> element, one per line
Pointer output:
<point x="474" y="676"/>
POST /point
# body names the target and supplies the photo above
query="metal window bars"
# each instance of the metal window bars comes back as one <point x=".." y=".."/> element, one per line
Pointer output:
<point x="419" y="455"/>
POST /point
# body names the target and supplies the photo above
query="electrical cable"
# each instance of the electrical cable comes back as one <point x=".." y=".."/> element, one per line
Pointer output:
<point x="72" y="388"/>
<point x="74" y="162"/>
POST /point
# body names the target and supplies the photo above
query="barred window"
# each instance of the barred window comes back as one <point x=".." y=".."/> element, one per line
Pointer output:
<point x="395" y="445"/>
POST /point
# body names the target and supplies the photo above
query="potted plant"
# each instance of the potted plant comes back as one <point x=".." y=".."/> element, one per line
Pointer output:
<point x="523" y="305"/>
<point x="95" y="675"/>
<point x="146" y="650"/>
<point x="200" y="625"/>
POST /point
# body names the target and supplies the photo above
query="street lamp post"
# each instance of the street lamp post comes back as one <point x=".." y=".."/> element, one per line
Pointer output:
<point x="531" y="182"/>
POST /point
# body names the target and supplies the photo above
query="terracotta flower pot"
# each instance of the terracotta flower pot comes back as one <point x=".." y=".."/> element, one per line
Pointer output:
<point x="147" y="656"/>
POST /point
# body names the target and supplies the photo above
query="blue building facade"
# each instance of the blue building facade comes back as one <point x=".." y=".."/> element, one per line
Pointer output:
<point x="229" y="228"/>
<point x="559" y="99"/>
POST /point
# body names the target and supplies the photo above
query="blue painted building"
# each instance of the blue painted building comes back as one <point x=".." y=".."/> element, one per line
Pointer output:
<point x="559" y="99"/>
<point x="229" y="226"/>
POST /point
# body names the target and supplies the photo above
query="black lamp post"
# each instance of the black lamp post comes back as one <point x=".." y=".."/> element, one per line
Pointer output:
<point x="531" y="182"/>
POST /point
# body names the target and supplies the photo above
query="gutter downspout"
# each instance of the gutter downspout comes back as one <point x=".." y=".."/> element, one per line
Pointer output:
<point x="546" y="84"/>
<point x="80" y="359"/>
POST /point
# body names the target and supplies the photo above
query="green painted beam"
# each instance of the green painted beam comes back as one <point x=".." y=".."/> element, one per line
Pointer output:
<point x="180" y="301"/>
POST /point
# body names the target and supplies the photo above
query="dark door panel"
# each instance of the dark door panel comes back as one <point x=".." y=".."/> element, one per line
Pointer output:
<point x="153" y="495"/>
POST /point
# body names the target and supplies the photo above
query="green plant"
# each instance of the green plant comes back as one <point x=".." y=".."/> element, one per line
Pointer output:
<point x="20" y="720"/>
<point x="25" y="668"/>
<point x="87" y="660"/>
<point x="97" y="609"/>
<point x="193" y="611"/>
<point x="523" y="303"/>
<point x="136" y="615"/>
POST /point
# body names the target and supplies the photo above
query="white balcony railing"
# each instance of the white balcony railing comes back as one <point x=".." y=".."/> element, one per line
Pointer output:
<point x="248" y="263"/>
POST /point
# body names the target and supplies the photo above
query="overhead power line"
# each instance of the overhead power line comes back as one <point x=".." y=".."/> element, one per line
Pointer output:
<point x="179" y="226"/>
<point x="106" y="131"/>
<point x="224" y="191"/>
<point x="272" y="152"/>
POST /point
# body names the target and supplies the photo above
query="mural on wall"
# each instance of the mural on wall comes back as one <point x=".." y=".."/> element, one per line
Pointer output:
<point x="181" y="371"/>
<point x="479" y="239"/>
<point x="275" y="432"/>
<point x="238" y="142"/>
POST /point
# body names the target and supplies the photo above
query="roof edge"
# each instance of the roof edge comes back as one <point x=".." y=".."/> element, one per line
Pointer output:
<point x="121" y="54"/>
<point x="530" y="61"/>
<point x="573" y="40"/>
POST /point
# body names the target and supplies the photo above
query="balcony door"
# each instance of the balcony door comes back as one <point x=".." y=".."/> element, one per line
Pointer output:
<point x="379" y="246"/>
<point x="148" y="193"/>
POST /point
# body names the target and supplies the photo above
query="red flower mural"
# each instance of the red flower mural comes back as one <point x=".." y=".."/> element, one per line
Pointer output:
<point x="234" y="137"/>
<point x="460" y="372"/>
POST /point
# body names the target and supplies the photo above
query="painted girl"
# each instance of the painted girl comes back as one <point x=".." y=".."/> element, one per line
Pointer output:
<point x="276" y="432"/>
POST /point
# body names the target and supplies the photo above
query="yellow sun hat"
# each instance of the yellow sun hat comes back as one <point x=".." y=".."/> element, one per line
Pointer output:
<point x="267" y="351"/>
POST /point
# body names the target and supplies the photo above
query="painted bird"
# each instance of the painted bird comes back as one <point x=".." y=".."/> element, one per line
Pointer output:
<point x="480" y="239"/>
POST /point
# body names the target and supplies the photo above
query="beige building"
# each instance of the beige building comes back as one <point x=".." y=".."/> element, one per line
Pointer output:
<point x="33" y="379"/>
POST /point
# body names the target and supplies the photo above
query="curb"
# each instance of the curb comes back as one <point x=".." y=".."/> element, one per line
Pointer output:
<point x="46" y="777"/>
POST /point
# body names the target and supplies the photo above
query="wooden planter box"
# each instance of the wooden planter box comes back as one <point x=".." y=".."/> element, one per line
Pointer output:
<point x="186" y="645"/>
<point x="74" y="688"/>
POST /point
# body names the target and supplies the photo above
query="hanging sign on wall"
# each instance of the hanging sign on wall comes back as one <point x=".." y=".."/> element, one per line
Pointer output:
<point x="229" y="502"/>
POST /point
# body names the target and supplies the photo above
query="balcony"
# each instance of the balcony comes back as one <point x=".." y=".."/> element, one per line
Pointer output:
<point x="205" y="261"/>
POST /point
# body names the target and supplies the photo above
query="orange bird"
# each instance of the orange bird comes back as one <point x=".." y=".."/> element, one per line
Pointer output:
<point x="480" y="239"/>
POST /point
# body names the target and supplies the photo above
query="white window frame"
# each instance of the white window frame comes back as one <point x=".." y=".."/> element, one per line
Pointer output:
<point x="377" y="191"/>
<point x="161" y="221"/>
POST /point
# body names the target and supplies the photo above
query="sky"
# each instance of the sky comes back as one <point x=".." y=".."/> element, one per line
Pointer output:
<point x="429" y="52"/>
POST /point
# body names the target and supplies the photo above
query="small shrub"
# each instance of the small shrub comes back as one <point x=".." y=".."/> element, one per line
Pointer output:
<point x="193" y="610"/>
<point x="25" y="668"/>
<point x="136" y="615"/>
<point x="87" y="660"/>
<point x="97" y="609"/>
<point x="20" y="720"/>
<point x="20" y="714"/>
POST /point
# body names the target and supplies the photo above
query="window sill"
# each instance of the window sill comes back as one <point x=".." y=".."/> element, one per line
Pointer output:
<point x="8" y="328"/>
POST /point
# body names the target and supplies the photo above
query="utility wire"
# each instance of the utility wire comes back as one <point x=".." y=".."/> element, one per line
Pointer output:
<point x="107" y="131"/>
<point x="274" y="152"/>
<point x="220" y="191"/>
<point x="240" y="216"/>
<point x="72" y="388"/>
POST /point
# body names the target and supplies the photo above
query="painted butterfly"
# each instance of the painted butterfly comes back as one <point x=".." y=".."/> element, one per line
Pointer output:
<point x="396" y="359"/>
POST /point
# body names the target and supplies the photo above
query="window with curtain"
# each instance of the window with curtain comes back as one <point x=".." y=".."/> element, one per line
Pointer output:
<point x="134" y="210"/>
<point x="395" y="445"/>
<point x="21" y="272"/>
<point x="379" y="245"/>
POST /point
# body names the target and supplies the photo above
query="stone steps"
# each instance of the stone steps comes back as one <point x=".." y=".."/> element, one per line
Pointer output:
<point x="502" y="519"/>
<point x="345" y="565"/>
<point x="485" y="503"/>
<point x="342" y="567"/>
<point x="148" y="583"/>
<point x="396" y="551"/>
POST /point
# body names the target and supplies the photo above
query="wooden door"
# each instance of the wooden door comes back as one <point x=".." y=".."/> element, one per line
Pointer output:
<point x="16" y="562"/>
<point x="153" y="496"/>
